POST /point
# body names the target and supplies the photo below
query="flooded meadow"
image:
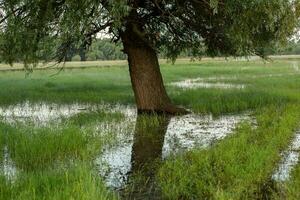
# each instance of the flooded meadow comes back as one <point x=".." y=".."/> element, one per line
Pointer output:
<point x="133" y="144"/>
<point x="242" y="133"/>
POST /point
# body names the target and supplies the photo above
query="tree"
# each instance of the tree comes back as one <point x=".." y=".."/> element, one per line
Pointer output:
<point x="106" y="50"/>
<point x="213" y="27"/>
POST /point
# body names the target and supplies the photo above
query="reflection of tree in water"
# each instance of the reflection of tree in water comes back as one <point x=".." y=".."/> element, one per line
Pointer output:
<point x="146" y="156"/>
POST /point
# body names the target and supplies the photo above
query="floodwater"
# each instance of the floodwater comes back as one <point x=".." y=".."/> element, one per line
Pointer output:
<point x="7" y="167"/>
<point x="200" y="83"/>
<point x="152" y="140"/>
<point x="290" y="159"/>
<point x="40" y="113"/>
<point x="216" y="81"/>
<point x="138" y="140"/>
<point x="43" y="113"/>
<point x="141" y="143"/>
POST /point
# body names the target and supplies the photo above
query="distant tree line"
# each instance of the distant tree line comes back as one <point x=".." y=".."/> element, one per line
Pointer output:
<point x="104" y="49"/>
<point x="293" y="48"/>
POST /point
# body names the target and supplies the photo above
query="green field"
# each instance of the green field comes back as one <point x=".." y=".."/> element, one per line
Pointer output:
<point x="55" y="159"/>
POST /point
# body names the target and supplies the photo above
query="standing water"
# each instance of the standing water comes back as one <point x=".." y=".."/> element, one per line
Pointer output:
<point x="7" y="168"/>
<point x="141" y="142"/>
<point x="290" y="159"/>
<point x="131" y="163"/>
<point x="200" y="83"/>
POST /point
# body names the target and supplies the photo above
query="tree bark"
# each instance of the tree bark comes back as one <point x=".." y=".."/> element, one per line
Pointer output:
<point x="146" y="79"/>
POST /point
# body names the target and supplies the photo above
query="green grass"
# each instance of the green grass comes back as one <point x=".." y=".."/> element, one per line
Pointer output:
<point x="217" y="101"/>
<point x="239" y="167"/>
<point x="42" y="148"/>
<point x="112" y="85"/>
<point x="54" y="162"/>
<point x="88" y="86"/>
<point x="88" y="118"/>
<point x="78" y="182"/>
<point x="2" y="144"/>
<point x="34" y="148"/>
<point x="292" y="187"/>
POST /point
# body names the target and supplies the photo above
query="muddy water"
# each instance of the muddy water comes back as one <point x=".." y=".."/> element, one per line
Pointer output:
<point x="290" y="158"/>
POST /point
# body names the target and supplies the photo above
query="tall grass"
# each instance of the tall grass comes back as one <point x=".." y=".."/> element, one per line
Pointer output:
<point x="79" y="182"/>
<point x="292" y="187"/>
<point x="88" y="118"/>
<point x="38" y="149"/>
<point x="34" y="148"/>
<point x="239" y="167"/>
<point x="53" y="162"/>
<point x="218" y="101"/>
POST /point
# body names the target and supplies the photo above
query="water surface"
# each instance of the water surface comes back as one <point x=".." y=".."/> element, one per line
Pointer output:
<point x="290" y="159"/>
<point x="152" y="139"/>
<point x="7" y="166"/>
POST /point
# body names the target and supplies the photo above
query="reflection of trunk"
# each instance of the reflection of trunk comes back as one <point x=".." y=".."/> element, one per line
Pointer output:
<point x="146" y="155"/>
<point x="148" y="141"/>
<point x="150" y="93"/>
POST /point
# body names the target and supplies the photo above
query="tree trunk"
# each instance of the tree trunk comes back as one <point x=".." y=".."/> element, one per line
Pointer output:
<point x="146" y="79"/>
<point x="147" y="82"/>
<point x="82" y="54"/>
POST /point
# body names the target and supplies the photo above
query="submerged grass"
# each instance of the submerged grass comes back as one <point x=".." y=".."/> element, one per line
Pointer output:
<point x="239" y="167"/>
<point x="88" y="118"/>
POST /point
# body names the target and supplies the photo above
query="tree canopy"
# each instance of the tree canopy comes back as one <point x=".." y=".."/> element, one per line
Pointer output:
<point x="46" y="29"/>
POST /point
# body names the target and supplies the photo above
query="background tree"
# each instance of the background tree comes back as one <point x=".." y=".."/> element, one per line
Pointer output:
<point x="104" y="49"/>
<point x="293" y="48"/>
<point x="213" y="27"/>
